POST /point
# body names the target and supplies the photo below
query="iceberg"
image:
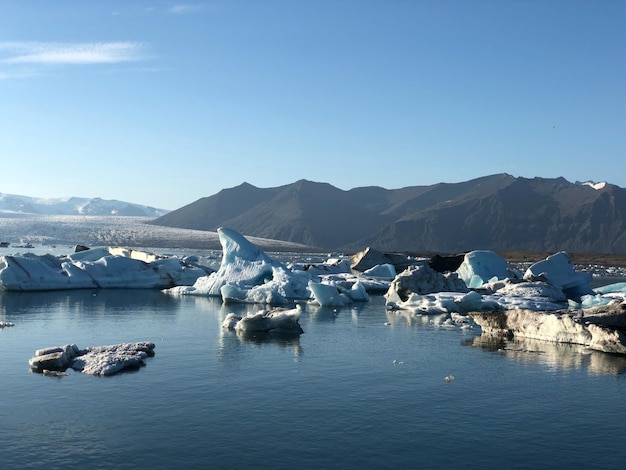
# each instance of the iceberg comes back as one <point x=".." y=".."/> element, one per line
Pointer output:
<point x="279" y="321"/>
<point x="339" y="273"/>
<point x="483" y="266"/>
<point x="558" y="270"/>
<point x="328" y="295"/>
<point x="494" y="287"/>
<point x="101" y="360"/>
<point x="383" y="271"/>
<point x="247" y="275"/>
<point x="618" y="288"/>
<point x="530" y="295"/>
<point x="408" y="287"/>
<point x="599" y="328"/>
<point x="95" y="269"/>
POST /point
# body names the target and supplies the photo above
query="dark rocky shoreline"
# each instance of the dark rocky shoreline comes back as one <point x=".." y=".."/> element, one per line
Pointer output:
<point x="520" y="257"/>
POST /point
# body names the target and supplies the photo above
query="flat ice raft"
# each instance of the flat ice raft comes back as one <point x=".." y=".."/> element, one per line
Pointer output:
<point x="101" y="360"/>
<point x="599" y="328"/>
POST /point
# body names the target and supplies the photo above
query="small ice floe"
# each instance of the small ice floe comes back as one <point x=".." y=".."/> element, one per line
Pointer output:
<point x="449" y="378"/>
<point x="337" y="296"/>
<point x="102" y="360"/>
<point x="6" y="324"/>
<point x="277" y="321"/>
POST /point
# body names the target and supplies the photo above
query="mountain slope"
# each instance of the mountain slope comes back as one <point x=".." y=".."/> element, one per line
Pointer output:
<point x="318" y="214"/>
<point x="527" y="215"/>
<point x="497" y="212"/>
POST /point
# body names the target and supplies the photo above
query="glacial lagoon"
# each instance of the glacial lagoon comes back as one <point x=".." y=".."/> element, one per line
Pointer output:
<point x="361" y="388"/>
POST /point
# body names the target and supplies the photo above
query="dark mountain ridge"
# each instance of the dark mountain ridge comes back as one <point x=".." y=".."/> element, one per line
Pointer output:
<point x="498" y="212"/>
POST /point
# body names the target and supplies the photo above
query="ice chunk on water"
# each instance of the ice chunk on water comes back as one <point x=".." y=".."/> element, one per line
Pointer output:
<point x="482" y="266"/>
<point x="277" y="321"/>
<point x="95" y="268"/>
<point x="102" y="360"/>
<point x="383" y="271"/>
<point x="559" y="271"/>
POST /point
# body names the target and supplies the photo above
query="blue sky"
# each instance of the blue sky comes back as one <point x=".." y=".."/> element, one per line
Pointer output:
<point x="162" y="103"/>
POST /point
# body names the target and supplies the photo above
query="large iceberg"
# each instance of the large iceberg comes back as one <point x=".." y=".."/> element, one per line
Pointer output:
<point x="248" y="275"/>
<point x="95" y="268"/>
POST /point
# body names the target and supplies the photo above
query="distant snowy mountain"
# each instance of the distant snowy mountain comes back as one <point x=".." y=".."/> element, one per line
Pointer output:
<point x="10" y="203"/>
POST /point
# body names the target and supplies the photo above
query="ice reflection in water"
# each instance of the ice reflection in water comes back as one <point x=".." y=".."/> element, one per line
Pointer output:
<point x="554" y="355"/>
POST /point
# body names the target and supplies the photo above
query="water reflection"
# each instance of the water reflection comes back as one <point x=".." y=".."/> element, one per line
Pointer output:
<point x="554" y="355"/>
<point x="410" y="318"/>
<point x="109" y="300"/>
<point x="321" y="314"/>
<point x="230" y="343"/>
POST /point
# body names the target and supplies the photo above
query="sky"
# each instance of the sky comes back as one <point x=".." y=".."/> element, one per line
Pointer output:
<point x="163" y="103"/>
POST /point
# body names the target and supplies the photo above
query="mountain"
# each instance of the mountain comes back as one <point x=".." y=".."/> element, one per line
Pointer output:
<point x="498" y="212"/>
<point x="74" y="206"/>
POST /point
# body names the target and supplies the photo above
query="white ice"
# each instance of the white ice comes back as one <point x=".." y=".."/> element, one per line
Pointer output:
<point x="604" y="295"/>
<point x="550" y="286"/>
<point x="278" y="321"/>
<point x="595" y="329"/>
<point x="334" y="295"/>
<point x="408" y="288"/>
<point x="101" y="360"/>
<point x="95" y="268"/>
<point x="248" y="275"/>
<point x="382" y="271"/>
<point x="558" y="270"/>
<point x="482" y="266"/>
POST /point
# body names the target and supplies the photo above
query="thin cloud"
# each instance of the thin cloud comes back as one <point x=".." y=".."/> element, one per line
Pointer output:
<point x="183" y="8"/>
<point x="19" y="75"/>
<point x="70" y="53"/>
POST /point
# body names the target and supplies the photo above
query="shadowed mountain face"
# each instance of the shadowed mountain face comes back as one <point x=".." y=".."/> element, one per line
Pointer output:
<point x="498" y="212"/>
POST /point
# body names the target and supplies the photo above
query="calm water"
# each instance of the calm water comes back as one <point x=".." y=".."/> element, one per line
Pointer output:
<point x="331" y="399"/>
